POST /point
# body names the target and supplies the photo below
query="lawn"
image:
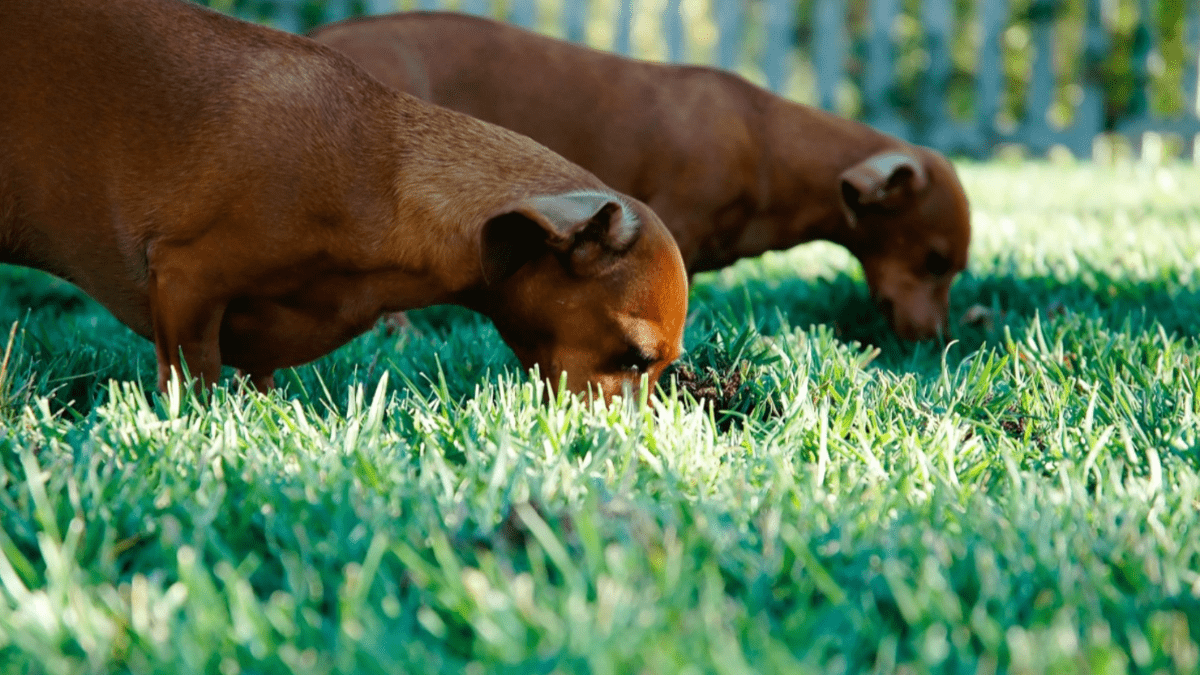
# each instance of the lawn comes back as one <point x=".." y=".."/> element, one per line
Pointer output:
<point x="804" y="494"/>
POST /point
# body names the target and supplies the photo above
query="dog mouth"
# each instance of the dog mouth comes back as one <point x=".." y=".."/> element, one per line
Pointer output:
<point x="932" y="326"/>
<point x="887" y="307"/>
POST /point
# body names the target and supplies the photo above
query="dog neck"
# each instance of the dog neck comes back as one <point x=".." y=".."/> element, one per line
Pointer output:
<point x="469" y="172"/>
<point x="404" y="239"/>
<point x="805" y="150"/>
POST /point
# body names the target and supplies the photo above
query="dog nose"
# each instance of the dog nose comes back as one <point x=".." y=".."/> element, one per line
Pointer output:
<point x="915" y="322"/>
<point x="936" y="329"/>
<point x="888" y="308"/>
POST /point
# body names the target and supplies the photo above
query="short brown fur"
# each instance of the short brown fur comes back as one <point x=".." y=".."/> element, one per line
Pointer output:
<point x="249" y="197"/>
<point x="732" y="169"/>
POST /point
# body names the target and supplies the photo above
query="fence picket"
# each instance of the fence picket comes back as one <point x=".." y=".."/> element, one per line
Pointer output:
<point x="933" y="124"/>
<point x="731" y="23"/>
<point x="475" y="7"/>
<point x="989" y="83"/>
<point x="285" y="15"/>
<point x="336" y="10"/>
<point x="1191" y="86"/>
<point x="672" y="23"/>
<point x="622" y="43"/>
<point x="829" y="34"/>
<point x="523" y="13"/>
<point x="1035" y="130"/>
<point x="779" y="23"/>
<point x="575" y="21"/>
<point x="1089" y="112"/>
<point x="829" y="53"/>
<point x="381" y="6"/>
<point x="1143" y="52"/>
<point x="879" y="73"/>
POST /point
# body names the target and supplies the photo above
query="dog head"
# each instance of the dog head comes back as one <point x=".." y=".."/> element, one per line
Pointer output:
<point x="586" y="283"/>
<point x="910" y="228"/>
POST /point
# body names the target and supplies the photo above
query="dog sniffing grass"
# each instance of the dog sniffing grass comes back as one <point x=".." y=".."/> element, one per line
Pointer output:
<point x="1023" y="499"/>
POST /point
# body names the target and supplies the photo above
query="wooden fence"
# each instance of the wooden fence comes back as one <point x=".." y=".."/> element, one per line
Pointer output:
<point x="964" y="76"/>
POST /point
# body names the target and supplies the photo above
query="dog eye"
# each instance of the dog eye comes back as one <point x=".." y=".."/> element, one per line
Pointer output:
<point x="936" y="263"/>
<point x="634" y="360"/>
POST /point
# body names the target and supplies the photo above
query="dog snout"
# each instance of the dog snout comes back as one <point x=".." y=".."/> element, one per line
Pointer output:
<point x="887" y="307"/>
<point x="606" y="387"/>
<point x="920" y="323"/>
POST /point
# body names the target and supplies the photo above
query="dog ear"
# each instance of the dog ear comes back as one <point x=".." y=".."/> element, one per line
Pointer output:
<point x="585" y="229"/>
<point x="885" y="180"/>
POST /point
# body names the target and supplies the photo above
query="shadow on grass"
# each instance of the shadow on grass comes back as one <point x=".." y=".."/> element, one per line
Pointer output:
<point x="68" y="347"/>
<point x="71" y="347"/>
<point x="981" y="308"/>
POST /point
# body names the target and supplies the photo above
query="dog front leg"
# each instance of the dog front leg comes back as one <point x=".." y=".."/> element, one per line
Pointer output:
<point x="187" y="327"/>
<point x="261" y="382"/>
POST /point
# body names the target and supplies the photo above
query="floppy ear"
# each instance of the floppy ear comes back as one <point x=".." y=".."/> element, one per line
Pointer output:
<point x="884" y="180"/>
<point x="583" y="228"/>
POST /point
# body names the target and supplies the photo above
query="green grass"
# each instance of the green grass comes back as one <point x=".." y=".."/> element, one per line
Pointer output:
<point x="1023" y="500"/>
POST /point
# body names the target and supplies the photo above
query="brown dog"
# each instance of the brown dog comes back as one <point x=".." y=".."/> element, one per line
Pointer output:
<point x="248" y="197"/>
<point x="732" y="169"/>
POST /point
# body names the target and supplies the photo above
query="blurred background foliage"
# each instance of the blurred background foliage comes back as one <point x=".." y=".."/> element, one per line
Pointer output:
<point x="1147" y="67"/>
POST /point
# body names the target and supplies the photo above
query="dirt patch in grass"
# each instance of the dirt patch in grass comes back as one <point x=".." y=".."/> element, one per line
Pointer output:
<point x="720" y="388"/>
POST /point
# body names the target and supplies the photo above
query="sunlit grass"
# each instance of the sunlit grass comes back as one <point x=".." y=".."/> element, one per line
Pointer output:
<point x="1021" y="500"/>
